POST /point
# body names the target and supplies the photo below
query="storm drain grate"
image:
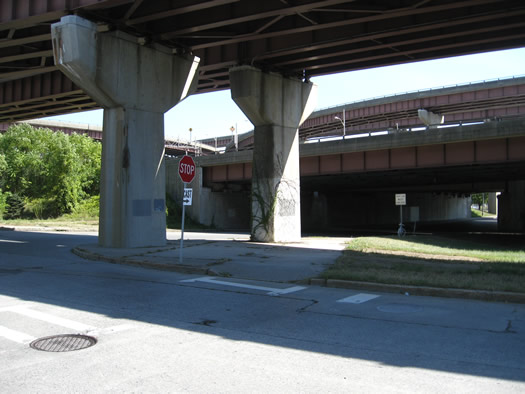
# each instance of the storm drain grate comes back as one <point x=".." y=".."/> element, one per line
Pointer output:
<point x="63" y="343"/>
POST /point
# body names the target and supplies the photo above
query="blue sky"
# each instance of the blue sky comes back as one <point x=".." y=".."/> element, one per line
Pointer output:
<point x="212" y="114"/>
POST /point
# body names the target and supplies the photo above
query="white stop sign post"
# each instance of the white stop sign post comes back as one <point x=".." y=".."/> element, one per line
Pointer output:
<point x="187" y="173"/>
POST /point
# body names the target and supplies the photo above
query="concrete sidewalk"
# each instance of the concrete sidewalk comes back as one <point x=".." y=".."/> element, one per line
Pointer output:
<point x="228" y="255"/>
<point x="234" y="255"/>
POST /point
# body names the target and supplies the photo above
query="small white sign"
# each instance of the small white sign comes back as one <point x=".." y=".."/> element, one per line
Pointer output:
<point x="188" y="194"/>
<point x="401" y="199"/>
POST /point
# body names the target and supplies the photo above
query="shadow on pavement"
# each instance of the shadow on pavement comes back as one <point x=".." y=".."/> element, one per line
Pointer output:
<point x="37" y="270"/>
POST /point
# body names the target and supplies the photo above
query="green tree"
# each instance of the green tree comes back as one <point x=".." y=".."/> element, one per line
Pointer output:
<point x="52" y="170"/>
<point x="480" y="198"/>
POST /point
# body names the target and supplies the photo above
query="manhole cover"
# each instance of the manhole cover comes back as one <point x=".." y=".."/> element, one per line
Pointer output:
<point x="399" y="308"/>
<point x="63" y="343"/>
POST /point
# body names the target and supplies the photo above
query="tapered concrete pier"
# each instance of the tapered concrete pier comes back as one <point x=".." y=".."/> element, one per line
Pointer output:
<point x="276" y="106"/>
<point x="135" y="84"/>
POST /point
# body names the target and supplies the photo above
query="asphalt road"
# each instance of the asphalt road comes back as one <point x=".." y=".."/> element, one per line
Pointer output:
<point x="169" y="332"/>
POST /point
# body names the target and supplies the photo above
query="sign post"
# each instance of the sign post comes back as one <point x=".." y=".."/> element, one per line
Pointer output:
<point x="186" y="173"/>
<point x="401" y="199"/>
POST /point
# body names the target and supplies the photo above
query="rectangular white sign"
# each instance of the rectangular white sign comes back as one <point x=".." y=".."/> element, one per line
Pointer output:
<point x="401" y="199"/>
<point x="188" y="194"/>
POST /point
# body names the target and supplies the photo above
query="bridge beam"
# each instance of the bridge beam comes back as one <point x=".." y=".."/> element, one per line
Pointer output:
<point x="135" y="85"/>
<point x="276" y="106"/>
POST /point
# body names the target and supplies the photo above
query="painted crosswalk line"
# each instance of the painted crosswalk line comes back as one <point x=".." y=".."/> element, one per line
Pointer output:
<point x="15" y="336"/>
<point x="48" y="318"/>
<point x="358" y="298"/>
<point x="25" y="310"/>
<point x="270" y="290"/>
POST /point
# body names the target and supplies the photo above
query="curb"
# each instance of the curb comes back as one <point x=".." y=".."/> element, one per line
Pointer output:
<point x="184" y="269"/>
<point x="482" y="295"/>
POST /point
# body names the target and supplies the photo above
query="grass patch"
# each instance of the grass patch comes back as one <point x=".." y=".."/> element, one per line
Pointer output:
<point x="494" y="248"/>
<point x="483" y="262"/>
<point x="476" y="213"/>
<point x="63" y="222"/>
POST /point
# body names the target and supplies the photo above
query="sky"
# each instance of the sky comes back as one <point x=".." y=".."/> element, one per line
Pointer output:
<point x="213" y="114"/>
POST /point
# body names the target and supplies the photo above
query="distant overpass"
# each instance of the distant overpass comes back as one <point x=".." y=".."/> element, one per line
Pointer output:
<point x="472" y="102"/>
<point x="475" y="105"/>
<point x="352" y="182"/>
<point x="479" y="147"/>
<point x="466" y="158"/>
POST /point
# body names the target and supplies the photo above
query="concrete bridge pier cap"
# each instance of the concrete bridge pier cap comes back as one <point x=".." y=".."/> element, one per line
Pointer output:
<point x="135" y="84"/>
<point x="276" y="106"/>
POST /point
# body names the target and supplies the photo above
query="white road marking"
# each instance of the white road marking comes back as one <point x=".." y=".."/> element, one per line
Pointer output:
<point x="358" y="298"/>
<point x="111" y="330"/>
<point x="9" y="241"/>
<point x="59" y="321"/>
<point x="12" y="307"/>
<point x="15" y="336"/>
<point x="271" y="290"/>
<point x="23" y="309"/>
<point x="287" y="291"/>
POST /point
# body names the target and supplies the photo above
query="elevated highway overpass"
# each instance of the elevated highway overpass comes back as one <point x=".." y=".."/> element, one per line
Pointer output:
<point x="137" y="59"/>
<point x="477" y="148"/>
<point x="305" y="39"/>
<point x="473" y="102"/>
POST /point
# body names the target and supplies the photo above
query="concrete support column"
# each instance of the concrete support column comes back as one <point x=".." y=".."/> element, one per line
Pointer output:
<point x="492" y="203"/>
<point x="132" y="207"/>
<point x="511" y="208"/>
<point x="277" y="106"/>
<point x="135" y="84"/>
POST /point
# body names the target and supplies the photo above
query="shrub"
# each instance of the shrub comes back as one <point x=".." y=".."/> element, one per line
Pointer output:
<point x="3" y="203"/>
<point x="87" y="209"/>
<point x="41" y="208"/>
<point x="54" y="171"/>
<point x="14" y="207"/>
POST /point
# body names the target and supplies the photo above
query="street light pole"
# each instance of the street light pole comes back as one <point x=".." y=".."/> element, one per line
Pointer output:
<point x="343" y="122"/>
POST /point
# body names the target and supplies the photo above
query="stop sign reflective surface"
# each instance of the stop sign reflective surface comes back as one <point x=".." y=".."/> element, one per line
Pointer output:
<point x="186" y="169"/>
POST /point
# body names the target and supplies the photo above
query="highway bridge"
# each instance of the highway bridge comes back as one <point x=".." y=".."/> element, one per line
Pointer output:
<point x="304" y="39"/>
<point x="473" y="102"/>
<point x="137" y="59"/>
<point x="387" y="149"/>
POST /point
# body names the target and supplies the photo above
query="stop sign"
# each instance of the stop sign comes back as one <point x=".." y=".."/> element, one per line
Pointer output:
<point x="186" y="169"/>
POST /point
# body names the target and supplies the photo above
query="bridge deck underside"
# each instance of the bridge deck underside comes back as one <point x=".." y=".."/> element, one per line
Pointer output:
<point x="299" y="39"/>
